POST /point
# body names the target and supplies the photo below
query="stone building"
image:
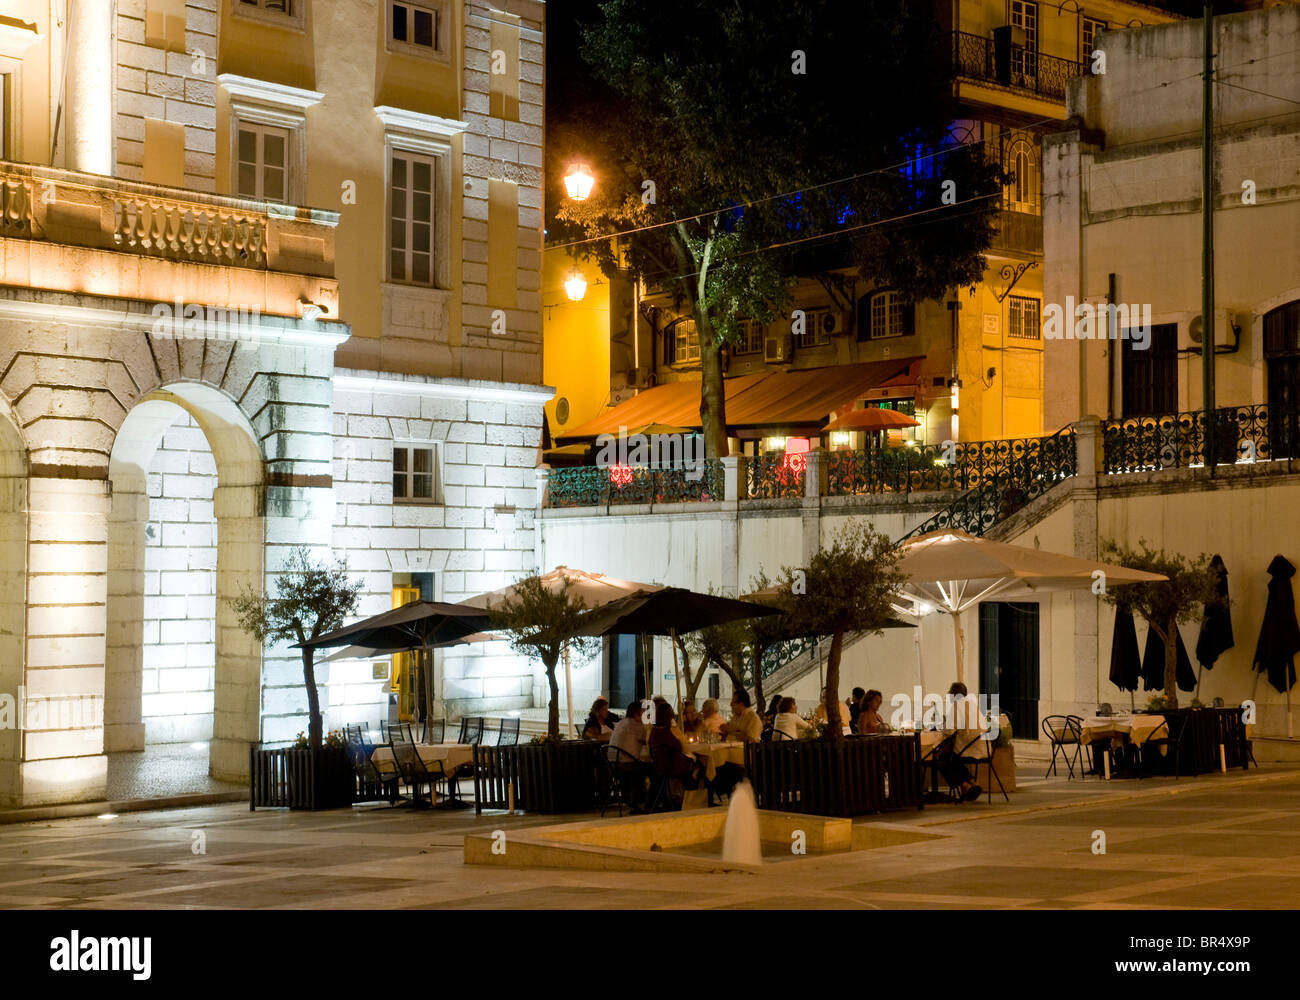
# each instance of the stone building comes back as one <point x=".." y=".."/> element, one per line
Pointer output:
<point x="199" y="374"/>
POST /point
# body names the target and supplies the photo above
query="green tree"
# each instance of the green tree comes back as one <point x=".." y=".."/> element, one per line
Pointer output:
<point x="311" y="598"/>
<point x="539" y="622"/>
<point x="715" y="127"/>
<point x="1191" y="586"/>
<point x="848" y="587"/>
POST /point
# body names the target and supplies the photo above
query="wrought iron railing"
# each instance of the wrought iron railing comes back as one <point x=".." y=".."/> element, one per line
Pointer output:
<point x="956" y="465"/>
<point x="779" y="654"/>
<point x="1254" y="432"/>
<point x="597" y="486"/>
<point x="769" y="477"/>
<point x="982" y="58"/>
<point x="1019" y="470"/>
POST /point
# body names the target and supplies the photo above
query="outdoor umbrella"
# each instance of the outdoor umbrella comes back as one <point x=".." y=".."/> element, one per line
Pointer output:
<point x="595" y="589"/>
<point x="375" y="652"/>
<point x="419" y="625"/>
<point x="670" y="611"/>
<point x="873" y="418"/>
<point x="1125" y="664"/>
<point x="1279" y="634"/>
<point x="955" y="571"/>
<point x="1215" y="637"/>
<point x="1153" y="664"/>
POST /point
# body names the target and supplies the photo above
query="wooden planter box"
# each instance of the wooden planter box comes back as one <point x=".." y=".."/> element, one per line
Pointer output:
<point x="298" y="778"/>
<point x="849" y="777"/>
<point x="1004" y="765"/>
<point x="540" y="777"/>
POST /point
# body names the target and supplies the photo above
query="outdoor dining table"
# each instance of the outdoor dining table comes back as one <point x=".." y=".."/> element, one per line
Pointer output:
<point x="1119" y="730"/>
<point x="450" y="755"/>
<point x="713" y="755"/>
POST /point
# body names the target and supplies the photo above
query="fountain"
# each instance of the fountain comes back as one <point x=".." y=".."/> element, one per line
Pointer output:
<point x="740" y="840"/>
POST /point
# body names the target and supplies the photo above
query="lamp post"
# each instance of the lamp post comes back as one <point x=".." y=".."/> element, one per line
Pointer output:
<point x="578" y="182"/>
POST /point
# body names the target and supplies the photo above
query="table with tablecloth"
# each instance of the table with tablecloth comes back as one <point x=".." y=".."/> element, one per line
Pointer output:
<point x="714" y="755"/>
<point x="450" y="755"/>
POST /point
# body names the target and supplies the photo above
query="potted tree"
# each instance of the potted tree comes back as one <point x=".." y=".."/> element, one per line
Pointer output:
<point x="309" y="599"/>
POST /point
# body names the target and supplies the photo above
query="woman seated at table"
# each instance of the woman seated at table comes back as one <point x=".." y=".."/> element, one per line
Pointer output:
<point x="869" y="720"/>
<point x="773" y="707"/>
<point x="600" y="723"/>
<point x="789" y="723"/>
<point x="844" y="713"/>
<point x="711" y="719"/>
<point x="666" y="749"/>
<point x="692" y="721"/>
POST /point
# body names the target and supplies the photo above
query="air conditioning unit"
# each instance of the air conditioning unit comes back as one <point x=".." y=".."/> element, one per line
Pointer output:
<point x="833" y="323"/>
<point x="776" y="349"/>
<point x="1227" y="331"/>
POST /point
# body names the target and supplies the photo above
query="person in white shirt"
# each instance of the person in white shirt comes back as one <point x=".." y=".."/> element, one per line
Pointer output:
<point x="788" y="721"/>
<point x="845" y="713"/>
<point x="629" y="736"/>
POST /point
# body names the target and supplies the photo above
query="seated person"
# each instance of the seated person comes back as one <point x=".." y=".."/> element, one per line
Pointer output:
<point x="953" y="770"/>
<point x="869" y="720"/>
<point x="666" y="750"/>
<point x="629" y="736"/>
<point x="844" y="713"/>
<point x="692" y="723"/>
<point x="711" y="718"/>
<point x="600" y="724"/>
<point x="773" y="707"/>
<point x="745" y="725"/>
<point x="856" y="703"/>
<point x="788" y="721"/>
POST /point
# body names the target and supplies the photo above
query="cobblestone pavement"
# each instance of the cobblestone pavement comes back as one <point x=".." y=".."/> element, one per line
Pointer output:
<point x="1226" y="841"/>
<point x="162" y="770"/>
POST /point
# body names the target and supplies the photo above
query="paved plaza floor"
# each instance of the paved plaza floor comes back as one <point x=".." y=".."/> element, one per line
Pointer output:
<point x="1217" y="841"/>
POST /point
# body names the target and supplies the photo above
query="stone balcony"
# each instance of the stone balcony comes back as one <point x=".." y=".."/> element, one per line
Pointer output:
<point x="65" y="231"/>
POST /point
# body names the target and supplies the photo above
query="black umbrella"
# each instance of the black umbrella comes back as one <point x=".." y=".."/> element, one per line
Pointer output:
<point x="1215" y="637"/>
<point x="1153" y="664"/>
<point x="671" y="612"/>
<point x="1125" y="664"/>
<point x="1279" y="634"/>
<point x="419" y="625"/>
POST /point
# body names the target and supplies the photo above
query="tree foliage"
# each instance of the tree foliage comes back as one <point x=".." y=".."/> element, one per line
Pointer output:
<point x="540" y="621"/>
<point x="1183" y="598"/>
<point x="747" y="118"/>
<point x="310" y="598"/>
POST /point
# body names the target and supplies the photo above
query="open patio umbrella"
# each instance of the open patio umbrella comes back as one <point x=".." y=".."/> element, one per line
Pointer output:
<point x="955" y="571"/>
<point x="1215" y="637"/>
<point x="374" y="652"/>
<point x="670" y="611"/>
<point x="1279" y="634"/>
<point x="421" y="625"/>
<point x="873" y="418"/>
<point x="595" y="589"/>
<point x="1125" y="664"/>
<point x="1153" y="664"/>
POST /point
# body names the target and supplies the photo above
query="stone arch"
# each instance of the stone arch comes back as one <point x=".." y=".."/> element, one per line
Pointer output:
<point x="238" y="518"/>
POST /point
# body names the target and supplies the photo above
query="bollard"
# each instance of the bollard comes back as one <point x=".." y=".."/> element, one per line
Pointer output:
<point x="1223" y="759"/>
<point x="510" y="798"/>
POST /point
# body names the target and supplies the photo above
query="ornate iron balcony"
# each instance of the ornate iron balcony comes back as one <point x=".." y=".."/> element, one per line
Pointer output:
<point x="980" y="58"/>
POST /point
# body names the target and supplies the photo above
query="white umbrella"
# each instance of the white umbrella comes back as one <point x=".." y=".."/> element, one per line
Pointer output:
<point x="954" y="571"/>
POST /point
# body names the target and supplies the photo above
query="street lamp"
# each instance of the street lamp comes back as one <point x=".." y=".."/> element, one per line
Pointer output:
<point x="578" y="181"/>
<point x="955" y="385"/>
<point x="575" y="287"/>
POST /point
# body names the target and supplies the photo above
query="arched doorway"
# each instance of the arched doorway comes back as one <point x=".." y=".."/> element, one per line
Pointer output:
<point x="185" y="533"/>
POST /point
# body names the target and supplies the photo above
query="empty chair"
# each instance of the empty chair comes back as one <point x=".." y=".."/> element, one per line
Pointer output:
<point x="623" y="776"/>
<point x="397" y="732"/>
<point x="414" y="770"/>
<point x="435" y="730"/>
<point x="1065" y="733"/>
<point x="1163" y="747"/>
<point x="471" y="730"/>
<point x="370" y="776"/>
<point x="509" y="733"/>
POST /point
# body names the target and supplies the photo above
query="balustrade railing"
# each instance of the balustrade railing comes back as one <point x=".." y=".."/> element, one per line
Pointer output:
<point x="1255" y="432"/>
<point x="180" y="230"/>
<point x="620" y="485"/>
<point x="982" y="58"/>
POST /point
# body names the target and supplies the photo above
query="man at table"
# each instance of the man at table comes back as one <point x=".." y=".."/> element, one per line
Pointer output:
<point x="629" y="736"/>
<point x="745" y="725"/>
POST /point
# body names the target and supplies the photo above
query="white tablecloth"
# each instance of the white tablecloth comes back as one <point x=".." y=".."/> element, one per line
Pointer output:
<point x="1137" y="729"/>
<point x="451" y="755"/>
<point x="713" y="755"/>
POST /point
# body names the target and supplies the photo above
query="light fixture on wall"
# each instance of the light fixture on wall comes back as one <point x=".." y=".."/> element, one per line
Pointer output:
<point x="954" y="384"/>
<point x="578" y="181"/>
<point x="575" y="287"/>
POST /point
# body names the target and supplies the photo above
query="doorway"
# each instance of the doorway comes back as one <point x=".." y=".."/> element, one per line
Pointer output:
<point x="1009" y="661"/>
<point x="625" y="670"/>
<point x="409" y="675"/>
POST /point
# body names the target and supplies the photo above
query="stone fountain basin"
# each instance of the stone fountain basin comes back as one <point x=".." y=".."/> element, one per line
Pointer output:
<point x="675" y="842"/>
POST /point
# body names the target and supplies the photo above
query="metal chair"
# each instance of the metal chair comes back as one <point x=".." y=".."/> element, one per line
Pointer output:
<point x="508" y="736"/>
<point x="415" y="771"/>
<point x="1067" y="733"/>
<point x="1147" y="753"/>
<point x="435" y="730"/>
<point x="621" y="768"/>
<point x="368" y="775"/>
<point x="397" y="732"/>
<point x="974" y="760"/>
<point x="661" y="760"/>
<point x="777" y="735"/>
<point x="471" y="730"/>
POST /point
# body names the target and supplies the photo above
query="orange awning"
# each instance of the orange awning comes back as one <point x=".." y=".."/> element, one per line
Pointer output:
<point x="775" y="399"/>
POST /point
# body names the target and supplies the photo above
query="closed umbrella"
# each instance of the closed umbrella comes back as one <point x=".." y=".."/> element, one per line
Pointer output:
<point x="1215" y="637"/>
<point x="1153" y="664"/>
<point x="1279" y="634"/>
<point x="1125" y="664"/>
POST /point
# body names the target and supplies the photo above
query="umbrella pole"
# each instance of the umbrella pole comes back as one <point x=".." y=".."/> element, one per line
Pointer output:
<point x="1199" y="668"/>
<point x="957" y="639"/>
<point x="427" y="657"/>
<point x="568" y="690"/>
<point x="677" y="674"/>
<point x="645" y="664"/>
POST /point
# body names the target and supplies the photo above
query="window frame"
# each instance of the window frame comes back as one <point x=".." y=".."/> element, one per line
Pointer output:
<point x="1087" y="44"/>
<point x="1027" y="12"/>
<point x="440" y="51"/>
<point x="894" y="300"/>
<point x="1017" y="141"/>
<point x="261" y="130"/>
<point x="295" y="20"/>
<point x="410" y="448"/>
<point x="258" y="102"/>
<point x="435" y="224"/>
<point x="408" y="132"/>
<point x="747" y="348"/>
<point x="1014" y="301"/>
<point x="691" y="339"/>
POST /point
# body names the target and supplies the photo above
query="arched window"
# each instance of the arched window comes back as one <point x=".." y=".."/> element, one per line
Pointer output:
<point x="1022" y="192"/>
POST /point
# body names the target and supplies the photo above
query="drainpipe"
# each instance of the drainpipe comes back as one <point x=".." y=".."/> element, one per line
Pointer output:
<point x="1207" y="239"/>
